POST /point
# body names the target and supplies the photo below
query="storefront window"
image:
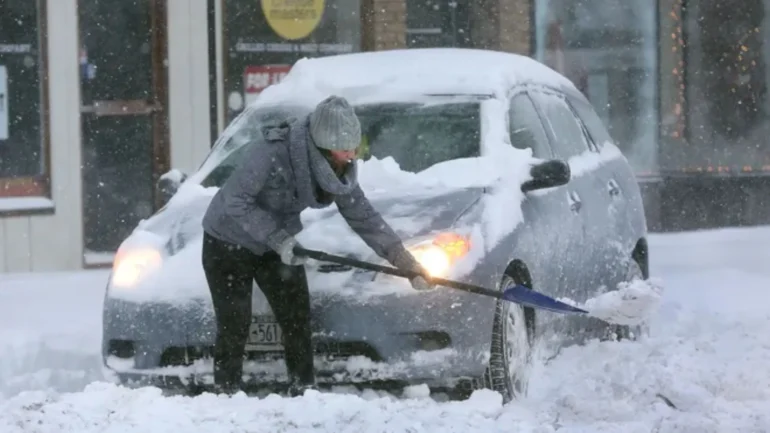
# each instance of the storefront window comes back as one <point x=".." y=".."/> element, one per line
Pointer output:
<point x="264" y="38"/>
<point x="726" y="57"/>
<point x="608" y="48"/>
<point x="23" y="149"/>
<point x="438" y="23"/>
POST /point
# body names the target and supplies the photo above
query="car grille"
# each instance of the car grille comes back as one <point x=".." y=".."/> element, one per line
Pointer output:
<point x="121" y="349"/>
<point x="331" y="350"/>
<point x="328" y="268"/>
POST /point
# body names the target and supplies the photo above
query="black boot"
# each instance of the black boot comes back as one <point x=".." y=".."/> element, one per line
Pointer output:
<point x="298" y="389"/>
<point x="227" y="389"/>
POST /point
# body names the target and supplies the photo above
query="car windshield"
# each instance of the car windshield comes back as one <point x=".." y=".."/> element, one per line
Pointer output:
<point x="416" y="136"/>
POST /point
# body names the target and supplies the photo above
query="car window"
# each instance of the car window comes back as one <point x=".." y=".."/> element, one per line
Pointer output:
<point x="568" y="136"/>
<point x="418" y="136"/>
<point x="526" y="128"/>
<point x="593" y="123"/>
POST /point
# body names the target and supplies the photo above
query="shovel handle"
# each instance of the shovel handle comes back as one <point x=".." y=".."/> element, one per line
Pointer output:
<point x="405" y="273"/>
<point x="518" y="294"/>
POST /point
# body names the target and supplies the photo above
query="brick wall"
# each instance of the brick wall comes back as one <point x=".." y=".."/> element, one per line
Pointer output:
<point x="495" y="24"/>
<point x="383" y="24"/>
<point x="514" y="26"/>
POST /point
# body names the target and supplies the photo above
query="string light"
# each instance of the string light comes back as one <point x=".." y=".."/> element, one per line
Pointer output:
<point x="742" y="60"/>
<point x="677" y="48"/>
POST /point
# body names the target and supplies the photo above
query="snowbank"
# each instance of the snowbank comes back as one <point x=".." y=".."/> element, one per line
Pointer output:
<point x="50" y="331"/>
<point x="703" y="368"/>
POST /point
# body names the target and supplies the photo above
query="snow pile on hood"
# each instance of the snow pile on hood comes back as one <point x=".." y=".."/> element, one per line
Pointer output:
<point x="386" y="175"/>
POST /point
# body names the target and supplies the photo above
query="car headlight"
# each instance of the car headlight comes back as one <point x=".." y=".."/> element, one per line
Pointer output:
<point x="438" y="253"/>
<point x="133" y="265"/>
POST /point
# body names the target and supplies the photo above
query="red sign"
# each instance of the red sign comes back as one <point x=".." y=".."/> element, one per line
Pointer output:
<point x="258" y="78"/>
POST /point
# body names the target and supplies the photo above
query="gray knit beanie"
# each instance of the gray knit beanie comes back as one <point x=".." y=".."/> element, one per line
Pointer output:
<point x="334" y="125"/>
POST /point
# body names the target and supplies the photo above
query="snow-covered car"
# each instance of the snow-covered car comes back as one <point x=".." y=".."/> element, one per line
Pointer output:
<point x="492" y="167"/>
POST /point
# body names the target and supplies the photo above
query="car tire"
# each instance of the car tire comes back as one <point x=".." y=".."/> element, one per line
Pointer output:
<point x="510" y="349"/>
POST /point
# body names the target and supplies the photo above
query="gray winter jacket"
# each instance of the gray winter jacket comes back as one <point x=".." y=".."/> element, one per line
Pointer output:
<point x="259" y="206"/>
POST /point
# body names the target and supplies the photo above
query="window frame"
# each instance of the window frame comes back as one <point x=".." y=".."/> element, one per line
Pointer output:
<point x="37" y="186"/>
<point x="525" y="93"/>
<point x="594" y="144"/>
<point x="549" y="132"/>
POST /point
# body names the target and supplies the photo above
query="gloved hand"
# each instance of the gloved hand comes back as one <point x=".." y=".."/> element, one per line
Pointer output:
<point x="403" y="259"/>
<point x="286" y="251"/>
<point x="421" y="283"/>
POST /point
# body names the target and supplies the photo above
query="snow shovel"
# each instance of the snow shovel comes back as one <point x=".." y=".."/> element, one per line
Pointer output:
<point x="518" y="293"/>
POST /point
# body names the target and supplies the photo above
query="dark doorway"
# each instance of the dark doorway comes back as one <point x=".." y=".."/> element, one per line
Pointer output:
<point x="124" y="115"/>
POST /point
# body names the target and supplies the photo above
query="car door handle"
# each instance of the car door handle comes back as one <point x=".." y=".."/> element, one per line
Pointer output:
<point x="575" y="204"/>
<point x="613" y="188"/>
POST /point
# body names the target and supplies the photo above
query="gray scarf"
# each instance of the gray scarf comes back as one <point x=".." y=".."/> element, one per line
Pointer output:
<point x="313" y="171"/>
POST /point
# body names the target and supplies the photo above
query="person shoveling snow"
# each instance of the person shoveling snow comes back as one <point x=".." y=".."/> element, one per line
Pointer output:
<point x="250" y="230"/>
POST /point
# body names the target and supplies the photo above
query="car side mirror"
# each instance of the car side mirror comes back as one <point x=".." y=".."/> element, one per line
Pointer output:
<point x="547" y="174"/>
<point x="168" y="184"/>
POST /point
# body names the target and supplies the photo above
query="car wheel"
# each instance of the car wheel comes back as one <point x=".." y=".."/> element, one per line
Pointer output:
<point x="510" y="349"/>
<point x="633" y="272"/>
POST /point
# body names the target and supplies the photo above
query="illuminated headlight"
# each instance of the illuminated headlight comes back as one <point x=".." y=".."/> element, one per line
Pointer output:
<point x="437" y="254"/>
<point x="435" y="260"/>
<point x="133" y="265"/>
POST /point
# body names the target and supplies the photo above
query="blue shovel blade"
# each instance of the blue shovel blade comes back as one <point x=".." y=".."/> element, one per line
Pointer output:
<point x="524" y="296"/>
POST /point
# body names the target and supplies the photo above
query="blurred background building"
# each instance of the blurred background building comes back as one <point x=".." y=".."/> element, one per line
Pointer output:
<point x="99" y="98"/>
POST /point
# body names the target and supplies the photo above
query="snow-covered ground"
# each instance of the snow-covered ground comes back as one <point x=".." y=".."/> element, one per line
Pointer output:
<point x="703" y="369"/>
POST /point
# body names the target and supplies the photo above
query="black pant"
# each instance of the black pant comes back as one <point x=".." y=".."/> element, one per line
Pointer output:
<point x="230" y="271"/>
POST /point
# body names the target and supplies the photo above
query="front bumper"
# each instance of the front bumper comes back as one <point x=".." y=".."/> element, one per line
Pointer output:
<point x="199" y="379"/>
<point x="437" y="338"/>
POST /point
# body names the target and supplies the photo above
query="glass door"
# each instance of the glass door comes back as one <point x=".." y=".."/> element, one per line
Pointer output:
<point x="124" y="117"/>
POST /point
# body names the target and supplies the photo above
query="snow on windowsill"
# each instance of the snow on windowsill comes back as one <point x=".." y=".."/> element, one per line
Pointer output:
<point x="25" y="203"/>
<point x="98" y="258"/>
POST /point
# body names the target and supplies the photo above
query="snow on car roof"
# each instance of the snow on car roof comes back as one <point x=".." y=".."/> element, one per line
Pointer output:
<point x="410" y="73"/>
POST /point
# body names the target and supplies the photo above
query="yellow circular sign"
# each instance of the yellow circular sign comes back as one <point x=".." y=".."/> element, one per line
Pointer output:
<point x="293" y="19"/>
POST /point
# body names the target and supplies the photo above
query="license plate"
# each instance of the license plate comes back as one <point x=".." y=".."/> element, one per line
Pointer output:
<point x="264" y="334"/>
